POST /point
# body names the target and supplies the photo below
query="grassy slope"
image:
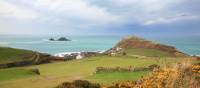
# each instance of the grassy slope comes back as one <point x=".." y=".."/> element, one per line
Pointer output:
<point x="9" y="74"/>
<point x="147" y="52"/>
<point x="56" y="73"/>
<point x="12" y="55"/>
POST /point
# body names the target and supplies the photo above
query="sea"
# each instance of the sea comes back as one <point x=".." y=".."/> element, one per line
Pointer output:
<point x="189" y="45"/>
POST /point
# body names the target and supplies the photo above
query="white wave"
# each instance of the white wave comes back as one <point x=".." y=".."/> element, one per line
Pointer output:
<point x="62" y="54"/>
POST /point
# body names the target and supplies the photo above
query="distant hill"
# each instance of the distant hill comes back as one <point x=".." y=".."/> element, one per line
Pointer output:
<point x="139" y="46"/>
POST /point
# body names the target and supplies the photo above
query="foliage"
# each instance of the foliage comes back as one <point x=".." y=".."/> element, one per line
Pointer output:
<point x="79" y="84"/>
<point x="179" y="76"/>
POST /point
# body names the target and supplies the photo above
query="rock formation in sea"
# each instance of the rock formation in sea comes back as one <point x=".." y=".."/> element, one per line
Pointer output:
<point x="59" y="39"/>
<point x="51" y="39"/>
<point x="63" y="39"/>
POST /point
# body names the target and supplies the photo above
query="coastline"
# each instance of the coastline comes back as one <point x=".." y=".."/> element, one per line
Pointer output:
<point x="90" y="43"/>
<point x="62" y="54"/>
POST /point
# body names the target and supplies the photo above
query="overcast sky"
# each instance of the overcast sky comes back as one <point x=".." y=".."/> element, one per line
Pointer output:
<point x="85" y="17"/>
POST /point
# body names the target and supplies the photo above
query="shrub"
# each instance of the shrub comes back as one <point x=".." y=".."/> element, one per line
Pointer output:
<point x="79" y="84"/>
<point x="154" y="66"/>
<point x="124" y="54"/>
<point x="182" y="75"/>
<point x="66" y="85"/>
<point x="36" y="71"/>
<point x="129" y="69"/>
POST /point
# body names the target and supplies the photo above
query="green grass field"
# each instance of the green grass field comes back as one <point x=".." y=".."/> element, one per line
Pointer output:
<point x="55" y="73"/>
<point x="114" y="77"/>
<point x="11" y="55"/>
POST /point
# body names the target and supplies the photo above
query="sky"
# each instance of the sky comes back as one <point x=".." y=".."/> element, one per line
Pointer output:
<point x="100" y="17"/>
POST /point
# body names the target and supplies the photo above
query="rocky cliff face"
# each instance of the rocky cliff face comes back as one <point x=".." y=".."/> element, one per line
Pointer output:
<point x="135" y="42"/>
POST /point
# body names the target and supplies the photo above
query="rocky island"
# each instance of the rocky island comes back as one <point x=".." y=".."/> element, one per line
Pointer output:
<point x="59" y="39"/>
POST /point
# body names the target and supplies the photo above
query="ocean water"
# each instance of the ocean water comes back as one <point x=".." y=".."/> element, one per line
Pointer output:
<point x="42" y="44"/>
<point x="189" y="45"/>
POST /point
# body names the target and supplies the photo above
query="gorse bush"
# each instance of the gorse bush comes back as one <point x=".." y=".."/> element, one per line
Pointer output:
<point x="196" y="68"/>
<point x="181" y="75"/>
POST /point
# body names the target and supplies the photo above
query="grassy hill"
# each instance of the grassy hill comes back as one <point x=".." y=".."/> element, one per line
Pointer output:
<point x="8" y="55"/>
<point x="56" y="73"/>
<point x="139" y="46"/>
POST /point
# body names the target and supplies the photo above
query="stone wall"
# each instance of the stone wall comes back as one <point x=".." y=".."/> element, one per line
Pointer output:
<point x="129" y="69"/>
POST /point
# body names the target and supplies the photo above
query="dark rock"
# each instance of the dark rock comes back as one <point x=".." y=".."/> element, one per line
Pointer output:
<point x="63" y="39"/>
<point x="51" y="39"/>
<point x="59" y="39"/>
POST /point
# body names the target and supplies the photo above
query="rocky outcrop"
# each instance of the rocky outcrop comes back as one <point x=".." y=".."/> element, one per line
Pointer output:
<point x="59" y="39"/>
<point x="63" y="39"/>
<point x="135" y="42"/>
<point x="51" y="39"/>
